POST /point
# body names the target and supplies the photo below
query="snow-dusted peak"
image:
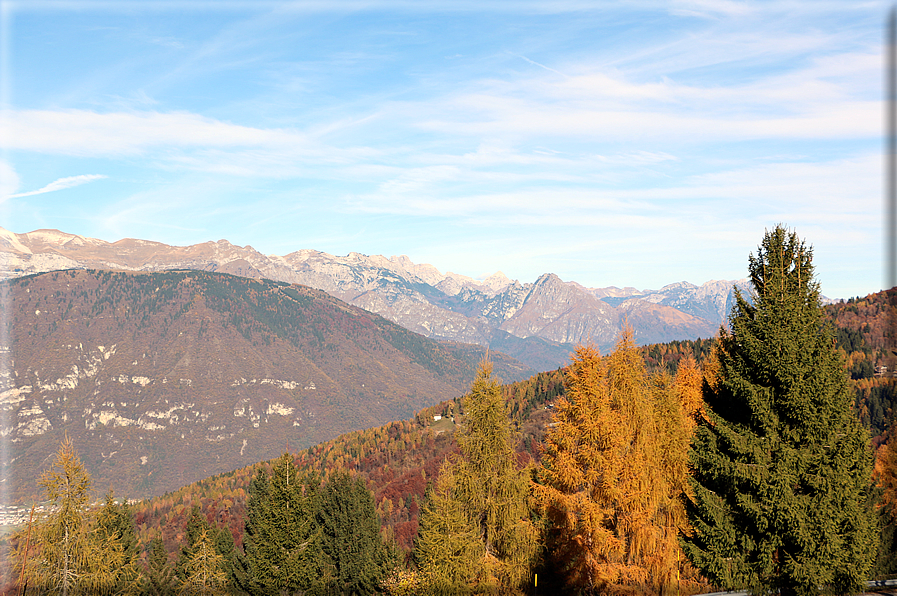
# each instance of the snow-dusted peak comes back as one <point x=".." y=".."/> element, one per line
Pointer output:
<point x="678" y="286"/>
<point x="497" y="281"/>
<point x="10" y="241"/>
<point x="50" y="236"/>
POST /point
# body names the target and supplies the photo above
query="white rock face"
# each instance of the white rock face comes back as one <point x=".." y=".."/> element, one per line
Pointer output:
<point x="108" y="417"/>
<point x="32" y="421"/>
<point x="14" y="396"/>
<point x="279" y="409"/>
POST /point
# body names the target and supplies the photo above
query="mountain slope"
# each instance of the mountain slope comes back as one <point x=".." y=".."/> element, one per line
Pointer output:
<point x="163" y="378"/>
<point x="550" y="314"/>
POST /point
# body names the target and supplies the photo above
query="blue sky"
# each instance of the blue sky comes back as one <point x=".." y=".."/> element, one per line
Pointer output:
<point x="612" y="143"/>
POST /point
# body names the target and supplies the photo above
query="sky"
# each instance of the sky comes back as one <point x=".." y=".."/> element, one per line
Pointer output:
<point x="614" y="143"/>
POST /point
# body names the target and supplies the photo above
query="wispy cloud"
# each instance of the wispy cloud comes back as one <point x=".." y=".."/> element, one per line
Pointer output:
<point x="9" y="179"/>
<point x="834" y="97"/>
<point x="61" y="184"/>
<point x="534" y="63"/>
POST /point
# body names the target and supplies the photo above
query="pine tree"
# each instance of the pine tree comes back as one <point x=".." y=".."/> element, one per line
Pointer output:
<point x="161" y="579"/>
<point x="781" y="465"/>
<point x="492" y="492"/>
<point x="613" y="469"/>
<point x="282" y="537"/>
<point x="350" y="530"/>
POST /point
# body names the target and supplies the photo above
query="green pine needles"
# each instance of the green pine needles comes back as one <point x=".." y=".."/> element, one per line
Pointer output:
<point x="782" y="467"/>
<point x="476" y="533"/>
<point x="282" y="538"/>
<point x="305" y="538"/>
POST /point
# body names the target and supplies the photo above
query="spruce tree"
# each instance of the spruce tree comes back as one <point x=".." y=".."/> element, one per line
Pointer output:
<point x="781" y="466"/>
<point x="160" y="576"/>
<point x="197" y="525"/>
<point x="282" y="538"/>
<point x="204" y="568"/>
<point x="232" y="562"/>
<point x="350" y="530"/>
<point x="114" y="529"/>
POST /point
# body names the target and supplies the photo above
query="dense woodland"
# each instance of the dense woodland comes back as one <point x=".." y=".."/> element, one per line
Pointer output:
<point x="595" y="478"/>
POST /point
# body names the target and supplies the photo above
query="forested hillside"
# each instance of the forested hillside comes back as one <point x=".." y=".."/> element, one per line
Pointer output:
<point x="397" y="461"/>
<point x="401" y="464"/>
<point x="861" y="328"/>
<point x="400" y="459"/>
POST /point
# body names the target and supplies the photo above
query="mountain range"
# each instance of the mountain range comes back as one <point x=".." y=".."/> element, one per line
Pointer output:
<point x="537" y="323"/>
<point x="163" y="378"/>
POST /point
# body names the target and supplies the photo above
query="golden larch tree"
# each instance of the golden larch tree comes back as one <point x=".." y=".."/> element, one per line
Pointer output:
<point x="613" y="468"/>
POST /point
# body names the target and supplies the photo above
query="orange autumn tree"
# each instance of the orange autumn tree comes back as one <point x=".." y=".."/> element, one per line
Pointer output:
<point x="614" y="467"/>
<point x="885" y="476"/>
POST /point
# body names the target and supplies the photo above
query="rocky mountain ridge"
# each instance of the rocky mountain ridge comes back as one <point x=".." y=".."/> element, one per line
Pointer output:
<point x="535" y="322"/>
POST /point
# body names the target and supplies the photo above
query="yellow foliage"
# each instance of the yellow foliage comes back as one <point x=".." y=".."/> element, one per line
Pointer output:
<point x="886" y="472"/>
<point x="614" y="468"/>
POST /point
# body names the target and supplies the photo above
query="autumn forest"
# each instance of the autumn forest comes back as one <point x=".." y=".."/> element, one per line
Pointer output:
<point x="763" y="459"/>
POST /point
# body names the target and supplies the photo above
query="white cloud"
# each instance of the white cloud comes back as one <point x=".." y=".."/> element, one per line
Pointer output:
<point x="178" y="140"/>
<point x="9" y="180"/>
<point x="61" y="184"/>
<point x="834" y="97"/>
<point x="87" y="133"/>
<point x="844" y="193"/>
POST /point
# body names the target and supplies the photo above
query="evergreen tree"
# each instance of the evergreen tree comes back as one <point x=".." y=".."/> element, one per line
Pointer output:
<point x="781" y="465"/>
<point x="613" y="471"/>
<point x="350" y="530"/>
<point x="492" y="492"/>
<point x="232" y="563"/>
<point x="161" y="579"/>
<point x="197" y="526"/>
<point x="282" y="537"/>
<point x="115" y="529"/>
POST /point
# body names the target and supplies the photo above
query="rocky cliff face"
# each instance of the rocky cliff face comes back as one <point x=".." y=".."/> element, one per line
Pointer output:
<point x="541" y="320"/>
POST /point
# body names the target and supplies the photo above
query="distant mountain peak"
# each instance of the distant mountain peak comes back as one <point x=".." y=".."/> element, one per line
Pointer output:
<point x="542" y="317"/>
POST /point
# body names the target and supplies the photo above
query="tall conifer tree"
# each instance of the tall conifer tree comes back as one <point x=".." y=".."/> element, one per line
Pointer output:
<point x="69" y="554"/>
<point x="114" y="530"/>
<point x="351" y="540"/>
<point x="781" y="465"/>
<point x="204" y="568"/>
<point x="160" y="576"/>
<point x="491" y="493"/>
<point x="283" y="538"/>
<point x="449" y="549"/>
<point x="613" y="469"/>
